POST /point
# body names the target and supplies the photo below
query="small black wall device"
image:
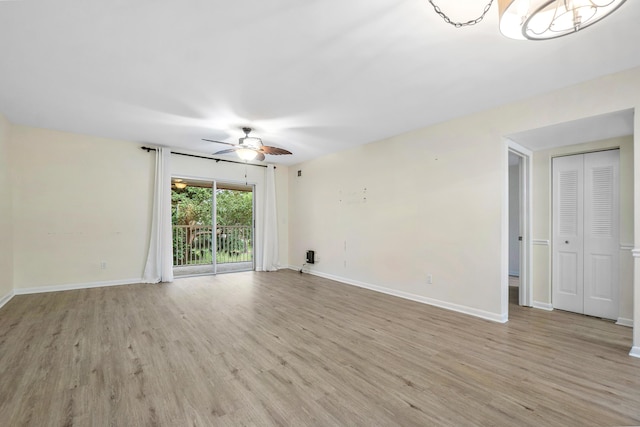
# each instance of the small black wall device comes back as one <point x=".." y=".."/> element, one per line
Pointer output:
<point x="311" y="257"/>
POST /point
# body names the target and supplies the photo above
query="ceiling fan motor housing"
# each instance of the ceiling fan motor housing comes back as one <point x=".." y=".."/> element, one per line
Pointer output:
<point x="250" y="141"/>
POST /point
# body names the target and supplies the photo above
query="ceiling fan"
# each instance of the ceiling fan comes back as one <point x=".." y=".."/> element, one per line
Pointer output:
<point x="249" y="147"/>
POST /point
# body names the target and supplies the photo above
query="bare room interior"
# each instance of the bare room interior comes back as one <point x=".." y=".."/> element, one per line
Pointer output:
<point x="319" y="213"/>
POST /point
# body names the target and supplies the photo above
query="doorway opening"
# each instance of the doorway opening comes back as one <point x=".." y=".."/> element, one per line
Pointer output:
<point x="515" y="237"/>
<point x="518" y="269"/>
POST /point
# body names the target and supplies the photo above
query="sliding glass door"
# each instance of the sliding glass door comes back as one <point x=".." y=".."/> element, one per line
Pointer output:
<point x="213" y="227"/>
<point x="192" y="224"/>
<point x="234" y="235"/>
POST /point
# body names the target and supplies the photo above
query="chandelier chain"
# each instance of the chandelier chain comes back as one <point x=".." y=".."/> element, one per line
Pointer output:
<point x="460" y="24"/>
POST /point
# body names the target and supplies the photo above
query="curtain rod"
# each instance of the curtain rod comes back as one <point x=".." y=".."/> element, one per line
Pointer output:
<point x="148" y="149"/>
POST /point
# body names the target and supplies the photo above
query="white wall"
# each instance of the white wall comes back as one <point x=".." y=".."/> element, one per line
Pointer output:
<point x="6" y="229"/>
<point x="78" y="201"/>
<point x="436" y="202"/>
<point x="433" y="206"/>
<point x="542" y="217"/>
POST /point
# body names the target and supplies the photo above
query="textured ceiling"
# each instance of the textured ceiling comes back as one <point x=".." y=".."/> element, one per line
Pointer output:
<point x="313" y="76"/>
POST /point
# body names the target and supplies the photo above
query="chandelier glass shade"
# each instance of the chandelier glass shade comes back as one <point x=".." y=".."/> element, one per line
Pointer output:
<point x="548" y="19"/>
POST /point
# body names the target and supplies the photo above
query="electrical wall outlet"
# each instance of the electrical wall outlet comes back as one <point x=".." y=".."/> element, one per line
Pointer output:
<point x="429" y="279"/>
<point x="103" y="265"/>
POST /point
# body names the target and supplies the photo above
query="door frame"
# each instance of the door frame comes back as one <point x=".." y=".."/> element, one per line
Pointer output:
<point x="526" y="252"/>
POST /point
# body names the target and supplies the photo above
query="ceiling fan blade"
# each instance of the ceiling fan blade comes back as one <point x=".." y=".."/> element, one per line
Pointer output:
<point x="227" y="151"/>
<point x="274" y="150"/>
<point x="260" y="156"/>
<point x="218" y="142"/>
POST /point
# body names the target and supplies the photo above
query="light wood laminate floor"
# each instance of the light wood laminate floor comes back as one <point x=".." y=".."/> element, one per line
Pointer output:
<point x="289" y="349"/>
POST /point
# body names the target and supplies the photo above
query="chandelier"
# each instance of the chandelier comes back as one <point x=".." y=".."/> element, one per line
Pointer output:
<point x="543" y="19"/>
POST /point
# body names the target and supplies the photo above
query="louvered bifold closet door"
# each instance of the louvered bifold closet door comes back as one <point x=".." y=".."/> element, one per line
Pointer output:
<point x="567" y="242"/>
<point x="585" y="267"/>
<point x="601" y="234"/>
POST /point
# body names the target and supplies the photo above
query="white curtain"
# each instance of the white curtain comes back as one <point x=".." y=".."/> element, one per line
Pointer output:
<point x="159" y="267"/>
<point x="270" y="240"/>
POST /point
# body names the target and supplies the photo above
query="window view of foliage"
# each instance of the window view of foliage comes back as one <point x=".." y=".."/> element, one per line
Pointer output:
<point x="191" y="216"/>
<point x="234" y="207"/>
<point x="191" y="205"/>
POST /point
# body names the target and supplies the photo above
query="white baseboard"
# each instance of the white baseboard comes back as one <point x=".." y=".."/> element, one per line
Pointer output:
<point x="500" y="318"/>
<point x="542" y="306"/>
<point x="5" y="299"/>
<point x="625" y="322"/>
<point x="635" y="351"/>
<point x="71" y="287"/>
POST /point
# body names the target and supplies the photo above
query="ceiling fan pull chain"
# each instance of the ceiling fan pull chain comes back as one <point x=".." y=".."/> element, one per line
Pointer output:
<point x="461" y="24"/>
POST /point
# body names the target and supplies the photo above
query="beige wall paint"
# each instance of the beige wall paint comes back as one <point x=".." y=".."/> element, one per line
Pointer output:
<point x="542" y="217"/>
<point x="78" y="200"/>
<point x="6" y="226"/>
<point x="432" y="207"/>
<point x="436" y="200"/>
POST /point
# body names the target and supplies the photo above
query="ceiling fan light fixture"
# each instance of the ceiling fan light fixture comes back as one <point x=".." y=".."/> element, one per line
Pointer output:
<point x="246" y="154"/>
<point x="251" y="141"/>
<point x="249" y="147"/>
<point x="549" y="19"/>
